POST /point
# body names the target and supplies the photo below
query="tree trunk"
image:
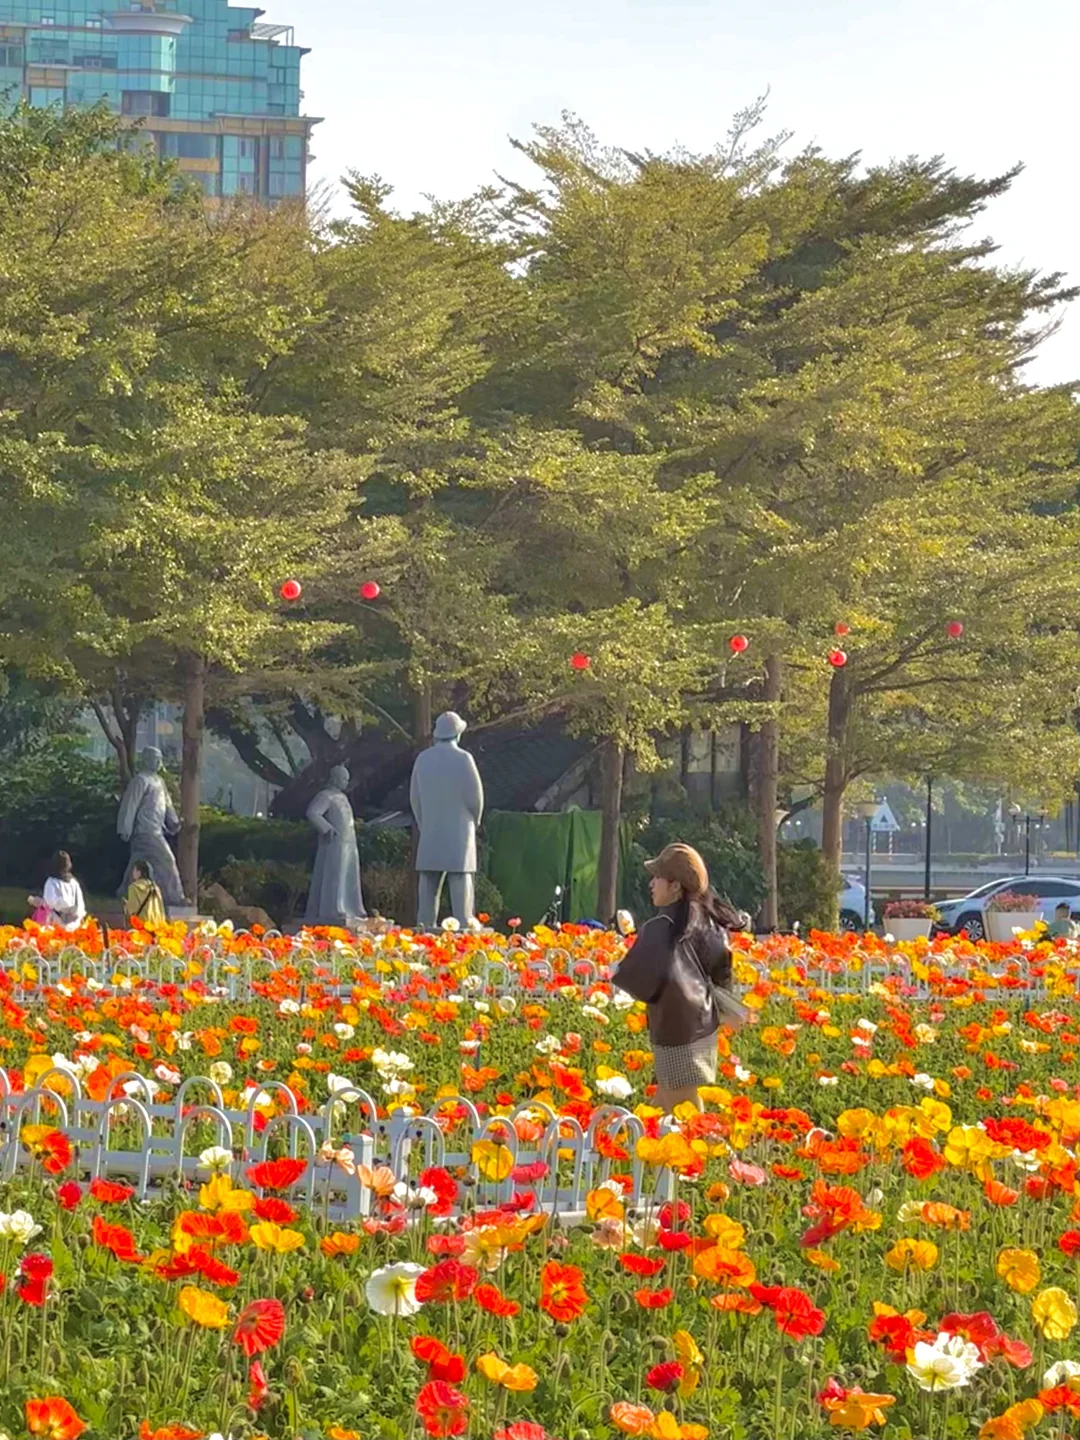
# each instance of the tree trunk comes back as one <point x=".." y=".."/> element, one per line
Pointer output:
<point x="768" y="768"/>
<point x="193" y="679"/>
<point x="611" y="783"/>
<point x="832" y="817"/>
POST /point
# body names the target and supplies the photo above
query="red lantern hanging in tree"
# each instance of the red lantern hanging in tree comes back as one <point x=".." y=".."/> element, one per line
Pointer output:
<point x="578" y="661"/>
<point x="837" y="659"/>
<point x="370" y="590"/>
<point x="291" y="590"/>
<point x="954" y="629"/>
<point x="841" y="628"/>
<point x="739" y="643"/>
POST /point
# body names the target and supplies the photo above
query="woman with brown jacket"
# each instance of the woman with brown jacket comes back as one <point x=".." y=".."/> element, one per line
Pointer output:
<point x="678" y="958"/>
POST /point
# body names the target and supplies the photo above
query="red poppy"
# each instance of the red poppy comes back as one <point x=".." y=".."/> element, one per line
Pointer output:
<point x="521" y="1430"/>
<point x="793" y="1310"/>
<point x="259" y="1389"/>
<point x="447" y="1281"/>
<point x="1069" y="1243"/>
<point x="654" y="1299"/>
<point x="444" y="1410"/>
<point x="109" y="1192"/>
<point x="999" y="1194"/>
<point x="441" y="1363"/>
<point x="665" y="1377"/>
<point x="116" y="1238"/>
<point x="445" y="1244"/>
<point x="641" y="1265"/>
<point x="54" y="1151"/>
<point x="279" y="1174"/>
<point x="260" y="1326"/>
<point x="921" y="1159"/>
<point x="68" y="1195"/>
<point x="672" y="1214"/>
<point x="980" y="1329"/>
<point x="674" y="1239"/>
<point x="1061" y="1397"/>
<point x="440" y="1180"/>
<point x="562" y="1293"/>
<point x="491" y="1299"/>
<point x="895" y="1334"/>
<point x="274" y="1209"/>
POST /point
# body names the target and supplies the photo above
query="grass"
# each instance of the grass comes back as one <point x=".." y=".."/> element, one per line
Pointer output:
<point x="14" y="909"/>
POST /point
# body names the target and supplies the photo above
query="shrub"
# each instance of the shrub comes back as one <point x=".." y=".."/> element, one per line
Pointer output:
<point x="727" y="841"/>
<point x="910" y="910"/>
<point x="56" y="797"/>
<point x="1012" y="903"/>
<point x="807" y="886"/>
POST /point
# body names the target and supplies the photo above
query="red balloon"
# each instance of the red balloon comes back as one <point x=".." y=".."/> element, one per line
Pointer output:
<point x="578" y="661"/>
<point x="370" y="590"/>
<point x="291" y="590"/>
<point x="841" y="628"/>
<point x="838" y="659"/>
<point x="739" y="643"/>
<point x="954" y="629"/>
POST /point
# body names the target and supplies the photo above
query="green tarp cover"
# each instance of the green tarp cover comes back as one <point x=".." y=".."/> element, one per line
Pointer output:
<point x="528" y="854"/>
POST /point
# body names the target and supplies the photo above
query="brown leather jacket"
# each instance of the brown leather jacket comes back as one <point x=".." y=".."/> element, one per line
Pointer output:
<point x="670" y="978"/>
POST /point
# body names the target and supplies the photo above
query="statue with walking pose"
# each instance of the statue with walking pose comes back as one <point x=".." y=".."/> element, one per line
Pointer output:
<point x="447" y="799"/>
<point x="336" y="896"/>
<point x="146" y="817"/>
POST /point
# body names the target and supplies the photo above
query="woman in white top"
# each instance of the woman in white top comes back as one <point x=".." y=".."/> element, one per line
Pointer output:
<point x="63" y="894"/>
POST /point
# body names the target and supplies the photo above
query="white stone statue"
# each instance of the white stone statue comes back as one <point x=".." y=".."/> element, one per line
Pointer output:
<point x="146" y="817"/>
<point x="336" y="896"/>
<point x="447" y="799"/>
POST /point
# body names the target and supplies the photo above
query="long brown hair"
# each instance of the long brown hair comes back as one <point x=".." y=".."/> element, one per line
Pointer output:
<point x="60" y="866"/>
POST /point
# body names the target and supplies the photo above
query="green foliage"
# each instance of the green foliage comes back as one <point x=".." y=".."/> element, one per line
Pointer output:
<point x="54" y="797"/>
<point x="807" y="886"/>
<point x="727" y="840"/>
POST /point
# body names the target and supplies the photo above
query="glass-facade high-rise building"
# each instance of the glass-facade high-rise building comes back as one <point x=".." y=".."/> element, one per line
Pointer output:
<point x="217" y="90"/>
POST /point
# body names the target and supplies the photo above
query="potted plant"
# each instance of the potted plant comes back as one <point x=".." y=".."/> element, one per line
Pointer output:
<point x="1008" y="912"/>
<point x="909" y="919"/>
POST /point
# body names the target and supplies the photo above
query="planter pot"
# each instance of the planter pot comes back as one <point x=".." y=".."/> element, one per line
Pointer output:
<point x="1000" y="924"/>
<point x="908" y="929"/>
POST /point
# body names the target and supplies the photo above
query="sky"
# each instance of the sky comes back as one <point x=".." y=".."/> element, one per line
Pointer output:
<point x="427" y="94"/>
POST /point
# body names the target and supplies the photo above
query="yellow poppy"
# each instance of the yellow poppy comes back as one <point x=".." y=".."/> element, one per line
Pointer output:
<point x="219" y="1194"/>
<point x="519" y="1378"/>
<point x="275" y="1238"/>
<point x="494" y="1161"/>
<point x="202" y="1307"/>
<point x="603" y="1204"/>
<point x="726" y="1232"/>
<point x="1019" y="1269"/>
<point x="1054" y="1312"/>
<point x="912" y="1255"/>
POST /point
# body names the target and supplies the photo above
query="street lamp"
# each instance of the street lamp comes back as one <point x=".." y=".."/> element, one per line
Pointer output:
<point x="1015" y="814"/>
<point x="867" y="809"/>
<point x="929" y="834"/>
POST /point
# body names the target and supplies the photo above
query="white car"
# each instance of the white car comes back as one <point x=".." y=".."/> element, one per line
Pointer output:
<point x="853" y="905"/>
<point x="969" y="912"/>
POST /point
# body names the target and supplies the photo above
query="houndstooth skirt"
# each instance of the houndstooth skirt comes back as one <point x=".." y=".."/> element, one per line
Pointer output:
<point x="680" y="1067"/>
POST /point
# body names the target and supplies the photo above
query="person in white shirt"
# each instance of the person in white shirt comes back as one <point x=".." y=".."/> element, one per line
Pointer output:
<point x="63" y="896"/>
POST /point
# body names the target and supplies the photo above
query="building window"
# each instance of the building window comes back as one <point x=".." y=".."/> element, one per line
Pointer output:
<point x="144" y="102"/>
<point x="245" y="185"/>
<point x="276" y="184"/>
<point x="248" y="149"/>
<point x="277" y="148"/>
<point x="11" y="56"/>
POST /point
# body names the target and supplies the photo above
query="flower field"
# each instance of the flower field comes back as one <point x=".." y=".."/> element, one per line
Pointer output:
<point x="392" y="1186"/>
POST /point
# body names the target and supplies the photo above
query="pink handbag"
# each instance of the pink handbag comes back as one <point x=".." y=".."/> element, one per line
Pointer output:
<point x="41" y="915"/>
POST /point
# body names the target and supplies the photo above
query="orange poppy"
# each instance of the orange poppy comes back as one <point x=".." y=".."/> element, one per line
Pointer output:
<point x="53" y="1418"/>
<point x="562" y="1293"/>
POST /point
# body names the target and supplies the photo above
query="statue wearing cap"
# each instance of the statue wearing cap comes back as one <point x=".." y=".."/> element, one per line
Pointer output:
<point x="146" y="817"/>
<point x="447" y="799"/>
